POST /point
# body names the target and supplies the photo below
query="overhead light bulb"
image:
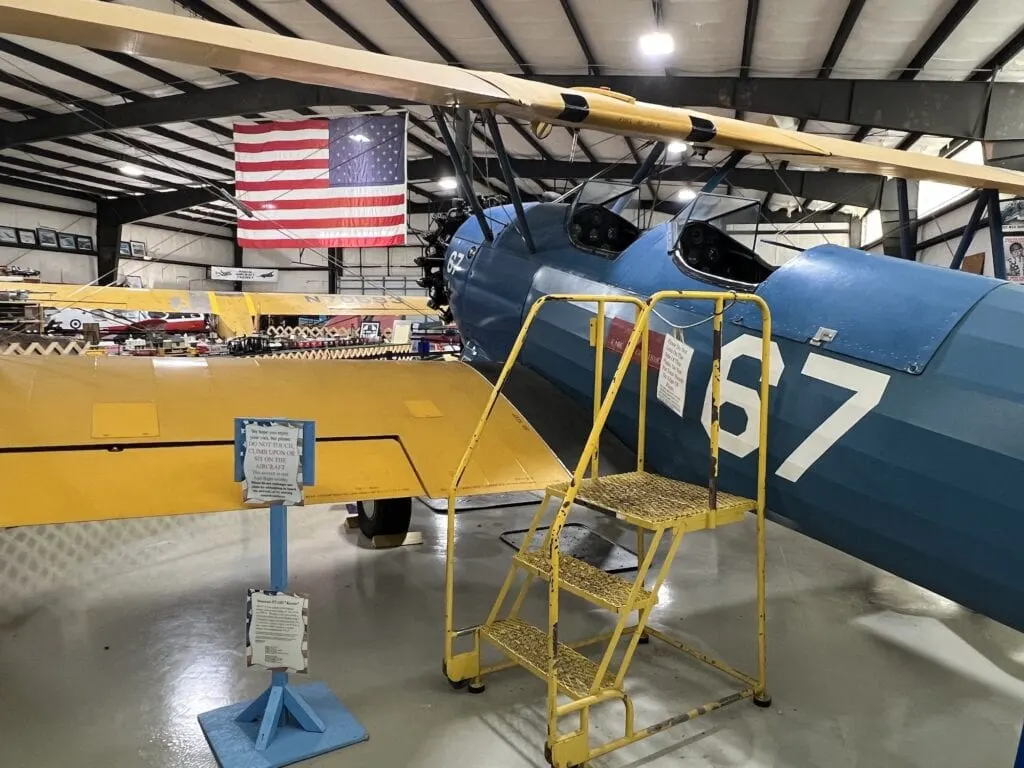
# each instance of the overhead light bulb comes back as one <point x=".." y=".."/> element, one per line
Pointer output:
<point x="675" y="147"/>
<point x="362" y="138"/>
<point x="130" y="169"/>
<point x="657" y="44"/>
<point x="686" y="195"/>
<point x="448" y="183"/>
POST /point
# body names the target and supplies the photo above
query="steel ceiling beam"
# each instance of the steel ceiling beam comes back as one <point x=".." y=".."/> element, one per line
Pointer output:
<point x="124" y="210"/>
<point x="581" y="38"/>
<point x="971" y="110"/>
<point x="946" y="27"/>
<point x="254" y="96"/>
<point x="847" y="188"/>
<point x="842" y="35"/>
<point x="749" y="34"/>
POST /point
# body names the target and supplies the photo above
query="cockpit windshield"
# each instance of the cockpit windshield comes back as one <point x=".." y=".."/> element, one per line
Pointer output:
<point x="605" y="217"/>
<point x="710" y="237"/>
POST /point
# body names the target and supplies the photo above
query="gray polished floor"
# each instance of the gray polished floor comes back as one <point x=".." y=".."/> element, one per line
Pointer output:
<point x="114" y="636"/>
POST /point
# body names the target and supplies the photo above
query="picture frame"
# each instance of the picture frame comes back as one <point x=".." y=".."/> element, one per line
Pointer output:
<point x="66" y="242"/>
<point x="124" y="249"/>
<point x="8" y="236"/>
<point x="27" y="236"/>
<point x="47" y="237"/>
<point x="84" y="242"/>
<point x="138" y="249"/>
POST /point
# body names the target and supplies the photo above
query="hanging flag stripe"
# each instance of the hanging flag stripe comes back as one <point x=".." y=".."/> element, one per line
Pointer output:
<point x="338" y="182"/>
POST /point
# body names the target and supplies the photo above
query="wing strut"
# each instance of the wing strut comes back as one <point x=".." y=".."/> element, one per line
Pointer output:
<point x="725" y="170"/>
<point x="510" y="179"/>
<point x="465" y="182"/>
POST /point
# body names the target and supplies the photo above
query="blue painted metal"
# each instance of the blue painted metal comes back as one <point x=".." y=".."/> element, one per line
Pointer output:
<point x="1019" y="762"/>
<point x="908" y="232"/>
<point x="720" y="175"/>
<point x="995" y="228"/>
<point x="968" y="236"/>
<point x="510" y="180"/>
<point x="925" y="482"/>
<point x="293" y="723"/>
<point x="648" y="164"/>
<point x="232" y="741"/>
<point x="885" y="311"/>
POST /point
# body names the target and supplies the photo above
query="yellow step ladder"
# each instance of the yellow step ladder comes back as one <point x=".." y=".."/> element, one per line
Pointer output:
<point x="658" y="506"/>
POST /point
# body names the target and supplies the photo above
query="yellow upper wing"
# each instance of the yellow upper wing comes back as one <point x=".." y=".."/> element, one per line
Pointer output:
<point x="236" y="311"/>
<point x="146" y="33"/>
<point x="95" y="438"/>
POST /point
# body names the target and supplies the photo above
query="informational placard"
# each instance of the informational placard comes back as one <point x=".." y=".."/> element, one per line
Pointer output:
<point x="1013" y="249"/>
<point x="676" y="356"/>
<point x="244" y="274"/>
<point x="272" y="463"/>
<point x="277" y="636"/>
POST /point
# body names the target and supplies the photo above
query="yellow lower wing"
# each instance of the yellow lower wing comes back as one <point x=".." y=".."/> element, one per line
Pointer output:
<point x="96" y="438"/>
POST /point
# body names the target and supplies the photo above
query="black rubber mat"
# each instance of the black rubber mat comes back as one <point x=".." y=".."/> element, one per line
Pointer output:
<point x="483" y="501"/>
<point x="583" y="543"/>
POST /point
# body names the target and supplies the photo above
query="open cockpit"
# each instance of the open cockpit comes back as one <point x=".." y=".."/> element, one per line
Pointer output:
<point x="713" y="239"/>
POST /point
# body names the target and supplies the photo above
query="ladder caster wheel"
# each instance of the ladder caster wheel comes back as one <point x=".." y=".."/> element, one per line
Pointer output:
<point x="764" y="701"/>
<point x="458" y="685"/>
<point x="477" y="687"/>
<point x="645" y="639"/>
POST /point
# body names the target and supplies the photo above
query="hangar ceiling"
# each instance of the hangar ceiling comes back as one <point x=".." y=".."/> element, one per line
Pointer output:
<point x="926" y="76"/>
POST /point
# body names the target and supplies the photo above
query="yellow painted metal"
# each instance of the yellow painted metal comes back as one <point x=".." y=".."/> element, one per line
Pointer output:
<point x="598" y="379"/>
<point x="114" y="27"/>
<point x="236" y="312"/>
<point x="647" y="501"/>
<point x="133" y="429"/>
<point x="462" y="469"/>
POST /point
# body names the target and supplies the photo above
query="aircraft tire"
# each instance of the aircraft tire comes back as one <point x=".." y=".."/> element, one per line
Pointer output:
<point x="384" y="517"/>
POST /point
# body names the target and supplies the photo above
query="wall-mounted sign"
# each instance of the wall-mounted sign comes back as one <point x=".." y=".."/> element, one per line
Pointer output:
<point x="244" y="274"/>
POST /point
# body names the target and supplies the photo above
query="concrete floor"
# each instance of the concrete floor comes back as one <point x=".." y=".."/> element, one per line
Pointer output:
<point x="114" y="636"/>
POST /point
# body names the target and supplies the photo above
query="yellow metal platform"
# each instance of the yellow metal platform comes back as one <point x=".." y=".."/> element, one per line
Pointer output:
<point x="653" y="502"/>
<point x="584" y="580"/>
<point x="94" y="438"/>
<point x="528" y="646"/>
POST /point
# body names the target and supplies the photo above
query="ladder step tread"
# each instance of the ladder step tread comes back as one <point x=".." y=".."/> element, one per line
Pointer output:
<point x="653" y="501"/>
<point x="528" y="646"/>
<point x="586" y="581"/>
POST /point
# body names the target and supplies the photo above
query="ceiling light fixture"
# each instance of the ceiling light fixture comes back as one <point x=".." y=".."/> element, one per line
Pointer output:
<point x="448" y="183"/>
<point x="676" y="147"/>
<point x="657" y="44"/>
<point x="686" y="194"/>
<point x="130" y="169"/>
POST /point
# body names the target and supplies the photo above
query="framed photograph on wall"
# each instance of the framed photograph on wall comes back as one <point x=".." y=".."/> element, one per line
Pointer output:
<point x="124" y="249"/>
<point x="8" y="235"/>
<point x="66" y="242"/>
<point x="27" y="236"/>
<point x="138" y="249"/>
<point x="84" y="242"/>
<point x="47" y="237"/>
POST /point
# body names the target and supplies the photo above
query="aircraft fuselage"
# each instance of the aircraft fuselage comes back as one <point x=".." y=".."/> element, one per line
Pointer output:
<point x="899" y="441"/>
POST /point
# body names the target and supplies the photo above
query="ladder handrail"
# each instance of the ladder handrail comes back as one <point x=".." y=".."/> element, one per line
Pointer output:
<point x="601" y="300"/>
<point x="642" y="328"/>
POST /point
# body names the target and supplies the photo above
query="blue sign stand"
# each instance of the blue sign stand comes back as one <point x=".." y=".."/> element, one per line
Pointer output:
<point x="294" y="723"/>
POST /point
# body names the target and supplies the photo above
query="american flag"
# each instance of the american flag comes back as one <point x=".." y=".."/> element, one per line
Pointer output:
<point x="322" y="183"/>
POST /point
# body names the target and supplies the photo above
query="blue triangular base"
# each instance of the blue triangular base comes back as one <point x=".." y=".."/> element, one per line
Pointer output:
<point x="234" y="743"/>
